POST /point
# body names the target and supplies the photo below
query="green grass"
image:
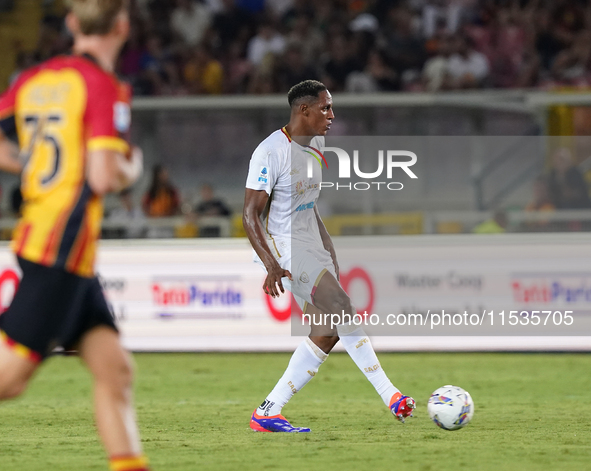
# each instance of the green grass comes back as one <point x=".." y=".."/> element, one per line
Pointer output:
<point x="533" y="412"/>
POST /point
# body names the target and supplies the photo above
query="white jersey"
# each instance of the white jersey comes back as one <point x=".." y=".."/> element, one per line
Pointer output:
<point x="279" y="166"/>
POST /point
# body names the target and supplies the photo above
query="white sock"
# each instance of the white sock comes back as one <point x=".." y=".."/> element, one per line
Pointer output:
<point x="361" y="351"/>
<point x="302" y="367"/>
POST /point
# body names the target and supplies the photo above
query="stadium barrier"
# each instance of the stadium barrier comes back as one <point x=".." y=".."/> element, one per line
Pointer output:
<point x="205" y="295"/>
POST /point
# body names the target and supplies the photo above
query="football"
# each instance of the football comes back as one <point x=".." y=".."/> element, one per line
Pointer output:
<point x="450" y="407"/>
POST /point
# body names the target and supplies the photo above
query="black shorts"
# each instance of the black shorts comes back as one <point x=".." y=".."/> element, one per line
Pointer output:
<point x="53" y="308"/>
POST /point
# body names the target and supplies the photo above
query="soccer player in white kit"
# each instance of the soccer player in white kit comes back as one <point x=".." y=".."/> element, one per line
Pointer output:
<point x="284" y="227"/>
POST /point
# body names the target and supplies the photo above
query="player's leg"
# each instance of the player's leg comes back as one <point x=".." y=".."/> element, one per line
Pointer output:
<point x="329" y="297"/>
<point x="110" y="365"/>
<point x="302" y="367"/>
<point x="16" y="368"/>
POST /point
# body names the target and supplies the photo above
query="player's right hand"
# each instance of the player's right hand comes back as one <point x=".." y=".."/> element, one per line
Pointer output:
<point x="273" y="281"/>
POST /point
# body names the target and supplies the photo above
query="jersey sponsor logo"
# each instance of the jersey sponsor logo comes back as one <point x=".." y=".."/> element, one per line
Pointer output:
<point x="121" y="116"/>
<point x="264" y="175"/>
<point x="302" y="186"/>
<point x="305" y="206"/>
<point x="304" y="278"/>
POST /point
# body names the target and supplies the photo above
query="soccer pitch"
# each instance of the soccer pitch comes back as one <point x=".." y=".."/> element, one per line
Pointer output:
<point x="533" y="412"/>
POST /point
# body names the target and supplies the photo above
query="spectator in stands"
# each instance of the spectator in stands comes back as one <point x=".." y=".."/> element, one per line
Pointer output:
<point x="203" y="73"/>
<point x="231" y="24"/>
<point x="568" y="189"/>
<point x="294" y="68"/>
<point x="495" y="225"/>
<point x="435" y="72"/>
<point x="159" y="70"/>
<point x="131" y="219"/>
<point x="541" y="200"/>
<point x="162" y="198"/>
<point x="378" y="76"/>
<point x="130" y="60"/>
<point x="267" y="41"/>
<point x="435" y="13"/>
<point x="251" y="6"/>
<point x="24" y="60"/>
<point x="210" y="205"/>
<point x="466" y="68"/>
<point x="309" y="39"/>
<point x="571" y="66"/>
<point x="237" y="69"/>
<point x="404" y="46"/>
<point x="339" y="64"/>
<point x="189" y="20"/>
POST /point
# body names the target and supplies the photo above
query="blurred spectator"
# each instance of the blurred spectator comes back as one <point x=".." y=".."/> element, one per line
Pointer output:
<point x="267" y="41"/>
<point x="158" y="69"/>
<point x="237" y="69"/>
<point x="377" y="76"/>
<point x="568" y="189"/>
<point x="190" y="20"/>
<point x="440" y="12"/>
<point x="571" y="66"/>
<point x="294" y="68"/>
<point x="52" y="38"/>
<point x="405" y="48"/>
<point x="230" y="24"/>
<point x="203" y="73"/>
<point x="541" y="200"/>
<point x="308" y="38"/>
<point x="339" y="64"/>
<point x="251" y="6"/>
<point x="162" y="198"/>
<point x="495" y="225"/>
<point x="436" y="68"/>
<point x="134" y="52"/>
<point x="131" y="218"/>
<point x="210" y="205"/>
<point x="279" y="7"/>
<point x="24" y="60"/>
<point x="466" y="68"/>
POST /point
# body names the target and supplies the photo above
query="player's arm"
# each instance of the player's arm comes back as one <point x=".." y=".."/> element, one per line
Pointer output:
<point x="9" y="151"/>
<point x="327" y="241"/>
<point x="110" y="171"/>
<point x="254" y="205"/>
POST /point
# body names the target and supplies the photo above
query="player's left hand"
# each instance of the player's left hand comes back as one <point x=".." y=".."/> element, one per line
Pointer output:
<point x="273" y="285"/>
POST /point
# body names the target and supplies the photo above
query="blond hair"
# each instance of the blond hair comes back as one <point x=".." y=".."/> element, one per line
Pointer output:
<point x="96" y="16"/>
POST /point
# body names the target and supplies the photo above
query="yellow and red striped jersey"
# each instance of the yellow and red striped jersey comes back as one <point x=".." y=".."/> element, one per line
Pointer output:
<point x="59" y="111"/>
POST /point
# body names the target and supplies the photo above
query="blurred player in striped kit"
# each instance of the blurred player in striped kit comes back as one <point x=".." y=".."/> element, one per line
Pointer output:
<point x="64" y="126"/>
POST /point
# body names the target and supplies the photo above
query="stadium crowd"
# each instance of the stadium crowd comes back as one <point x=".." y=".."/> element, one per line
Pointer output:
<point x="186" y="47"/>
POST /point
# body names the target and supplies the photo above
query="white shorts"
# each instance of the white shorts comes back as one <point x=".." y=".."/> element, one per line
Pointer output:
<point x="307" y="266"/>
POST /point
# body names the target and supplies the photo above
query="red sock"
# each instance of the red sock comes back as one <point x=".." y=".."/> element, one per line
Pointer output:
<point x="128" y="463"/>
